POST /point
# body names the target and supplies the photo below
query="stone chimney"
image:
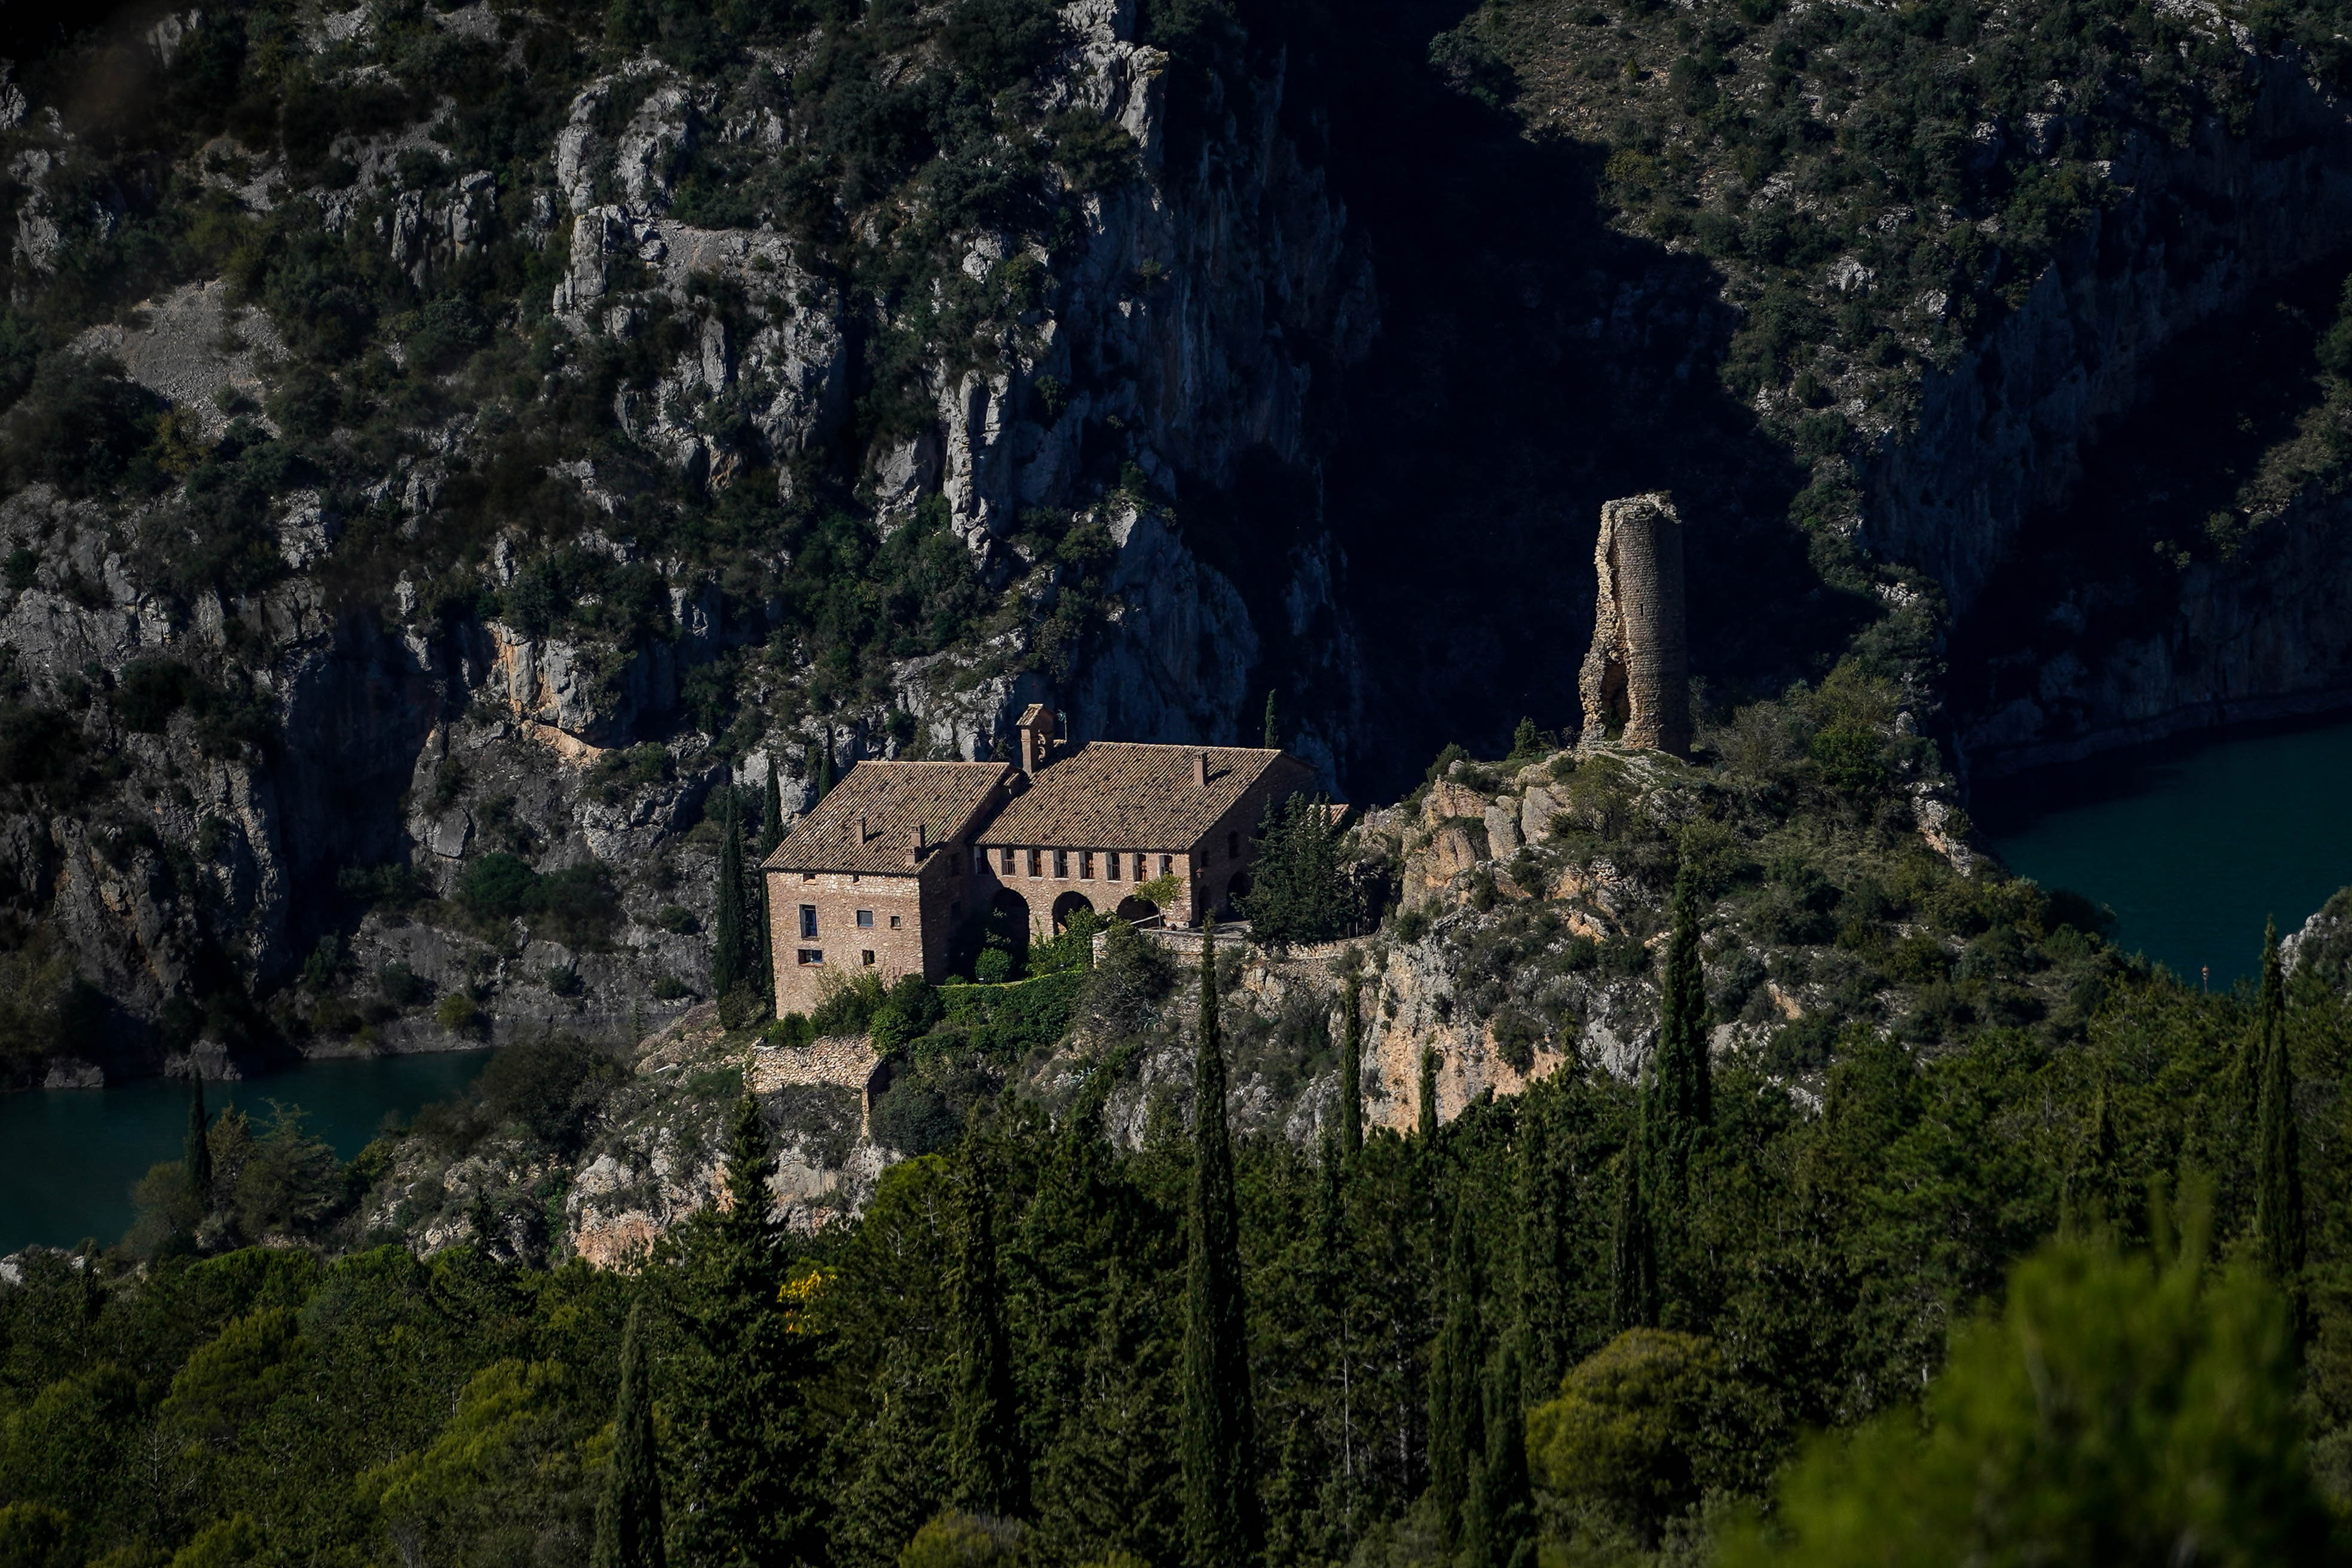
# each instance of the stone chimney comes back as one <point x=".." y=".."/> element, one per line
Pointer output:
<point x="862" y="834"/>
<point x="1036" y="730"/>
<point x="915" y="847"/>
<point x="1200" y="769"/>
<point x="1637" y="674"/>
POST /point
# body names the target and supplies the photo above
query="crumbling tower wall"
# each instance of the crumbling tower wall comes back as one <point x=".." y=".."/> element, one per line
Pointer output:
<point x="1637" y="673"/>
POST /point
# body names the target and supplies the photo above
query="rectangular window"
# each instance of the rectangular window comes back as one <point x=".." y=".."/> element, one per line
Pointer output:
<point x="808" y="919"/>
<point x="866" y="917"/>
<point x="1110" y="865"/>
<point x="1168" y="865"/>
<point x="1037" y="863"/>
<point x="1087" y="865"/>
<point x="808" y="876"/>
<point x="894" y="922"/>
<point x="1062" y="864"/>
<point x="867" y="955"/>
<point x="1233" y="845"/>
<point x="955" y="909"/>
<point x="1006" y="856"/>
<point x="811" y="956"/>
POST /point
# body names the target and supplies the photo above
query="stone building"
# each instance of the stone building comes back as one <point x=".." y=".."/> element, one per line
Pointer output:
<point x="1637" y="673"/>
<point x="880" y="874"/>
<point x="900" y="863"/>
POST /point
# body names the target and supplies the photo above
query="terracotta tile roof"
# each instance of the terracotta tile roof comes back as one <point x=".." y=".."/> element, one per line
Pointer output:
<point x="1116" y="795"/>
<point x="891" y="798"/>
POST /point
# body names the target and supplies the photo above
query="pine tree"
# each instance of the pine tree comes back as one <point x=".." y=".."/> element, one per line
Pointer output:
<point x="629" y="1514"/>
<point x="984" y="1425"/>
<point x="196" y="1152"/>
<point x="1457" y="1426"/>
<point x="1217" y="1441"/>
<point x="2278" y="1175"/>
<point x="1633" y="1303"/>
<point x="1351" y="1071"/>
<point x="1273" y="741"/>
<point x="726" y="966"/>
<point x="1430" y="1058"/>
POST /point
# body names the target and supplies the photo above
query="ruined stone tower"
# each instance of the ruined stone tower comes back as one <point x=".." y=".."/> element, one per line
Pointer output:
<point x="1638" y="671"/>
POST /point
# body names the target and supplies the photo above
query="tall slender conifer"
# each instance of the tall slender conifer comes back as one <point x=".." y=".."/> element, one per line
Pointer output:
<point x="1498" y="1520"/>
<point x="1685" y="1090"/>
<point x="1216" y="1437"/>
<point x="1351" y="1071"/>
<point x="196" y="1151"/>
<point x="1430" y="1058"/>
<point x="1633" y="1303"/>
<point x="629" y="1514"/>
<point x="984" y="1439"/>
<point x="772" y="825"/>
<point x="1272" y="739"/>
<point x="727" y="969"/>
<point x="2278" y="1175"/>
<point x="1457" y="1428"/>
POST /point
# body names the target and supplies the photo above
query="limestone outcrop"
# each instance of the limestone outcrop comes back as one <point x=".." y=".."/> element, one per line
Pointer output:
<point x="1637" y="674"/>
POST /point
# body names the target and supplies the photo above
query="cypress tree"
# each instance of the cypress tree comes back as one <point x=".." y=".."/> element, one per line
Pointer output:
<point x="1457" y="1430"/>
<point x="1633" y="1300"/>
<point x="2092" y="1189"/>
<point x="1547" y="1262"/>
<point x="1429" y="1061"/>
<point x="1273" y="741"/>
<point x="983" y="1435"/>
<point x="772" y="828"/>
<point x="1497" y="1522"/>
<point x="629" y="1514"/>
<point x="196" y="1152"/>
<point x="726" y="966"/>
<point x="824" y="781"/>
<point x="1216" y="1437"/>
<point x="2278" y="1175"/>
<point x="740" y="1413"/>
<point x="1686" y="1093"/>
<point x="1351" y="1071"/>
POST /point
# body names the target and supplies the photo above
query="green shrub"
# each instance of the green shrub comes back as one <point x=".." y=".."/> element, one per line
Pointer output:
<point x="498" y="887"/>
<point x="82" y="426"/>
<point x="549" y="1088"/>
<point x="403" y="986"/>
<point x="38" y="746"/>
<point x="458" y="1013"/>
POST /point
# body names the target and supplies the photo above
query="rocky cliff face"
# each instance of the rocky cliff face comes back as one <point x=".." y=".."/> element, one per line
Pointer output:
<point x="280" y="821"/>
<point x="2265" y="635"/>
<point x="1994" y="465"/>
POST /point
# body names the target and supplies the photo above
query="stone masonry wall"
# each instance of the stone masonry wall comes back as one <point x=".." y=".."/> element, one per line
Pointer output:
<point x="1638" y="671"/>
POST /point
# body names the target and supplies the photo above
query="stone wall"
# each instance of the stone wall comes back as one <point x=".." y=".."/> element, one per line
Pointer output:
<point x="1638" y="671"/>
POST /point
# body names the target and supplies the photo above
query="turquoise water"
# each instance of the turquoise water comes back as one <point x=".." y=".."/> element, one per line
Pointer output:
<point x="2193" y="845"/>
<point x="73" y="1155"/>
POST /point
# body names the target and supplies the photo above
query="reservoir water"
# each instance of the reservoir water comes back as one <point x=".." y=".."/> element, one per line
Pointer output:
<point x="2192" y="844"/>
<point x="71" y="1156"/>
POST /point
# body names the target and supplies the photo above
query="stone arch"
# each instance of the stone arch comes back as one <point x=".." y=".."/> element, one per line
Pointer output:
<point x="1136" y="910"/>
<point x="1009" y="917"/>
<point x="1236" y="890"/>
<point x="1067" y="905"/>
